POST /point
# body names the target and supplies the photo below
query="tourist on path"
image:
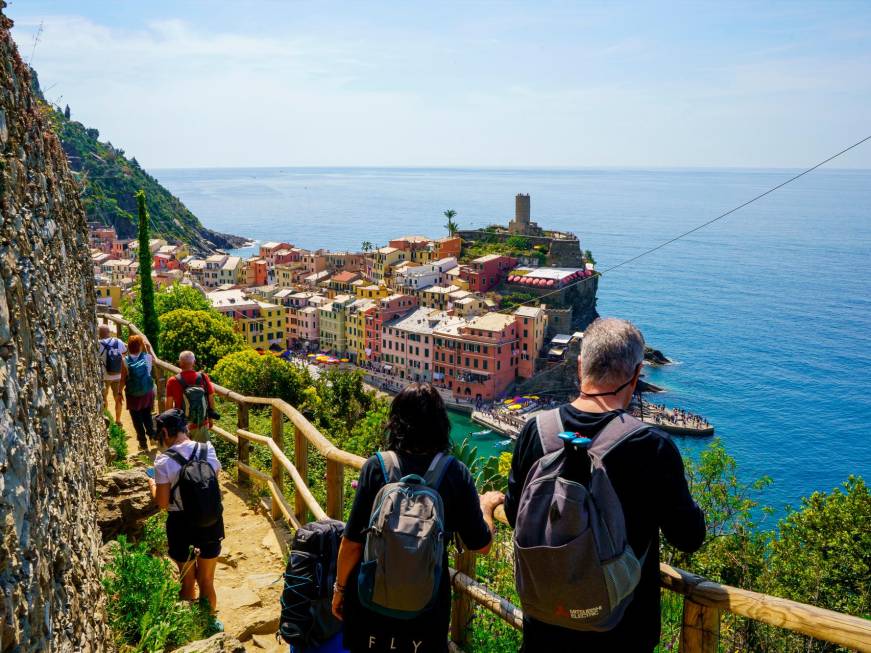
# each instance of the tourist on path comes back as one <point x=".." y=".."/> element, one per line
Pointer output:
<point x="192" y="393"/>
<point x="418" y="431"/>
<point x="646" y="473"/>
<point x="112" y="352"/>
<point x="193" y="548"/>
<point x="138" y="386"/>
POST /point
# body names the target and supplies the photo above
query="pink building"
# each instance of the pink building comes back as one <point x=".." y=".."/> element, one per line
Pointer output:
<point x="165" y="262"/>
<point x="256" y="272"/>
<point x="268" y="250"/>
<point x="487" y="272"/>
<point x="282" y="256"/>
<point x="477" y="359"/>
<point x="121" y="247"/>
<point x="407" y="342"/>
<point x="387" y="308"/>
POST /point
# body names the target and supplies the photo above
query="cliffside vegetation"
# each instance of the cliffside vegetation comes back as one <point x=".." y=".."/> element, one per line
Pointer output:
<point x="110" y="181"/>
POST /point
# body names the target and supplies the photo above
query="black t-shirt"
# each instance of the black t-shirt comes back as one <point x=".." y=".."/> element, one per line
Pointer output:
<point x="368" y="631"/>
<point x="648" y="476"/>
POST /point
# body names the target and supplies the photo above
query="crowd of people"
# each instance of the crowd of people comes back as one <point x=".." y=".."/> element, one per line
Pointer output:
<point x="390" y="581"/>
<point x="677" y="416"/>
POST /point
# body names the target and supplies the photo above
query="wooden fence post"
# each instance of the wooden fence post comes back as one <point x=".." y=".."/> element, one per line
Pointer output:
<point x="243" y="446"/>
<point x="335" y="489"/>
<point x="300" y="447"/>
<point x="277" y="469"/>
<point x="161" y="390"/>
<point x="700" y="628"/>
<point x="462" y="608"/>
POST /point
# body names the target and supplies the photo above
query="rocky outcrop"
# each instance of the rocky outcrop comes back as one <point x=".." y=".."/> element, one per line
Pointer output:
<point x="124" y="503"/>
<point x="655" y="357"/>
<point x="52" y="437"/>
<point x="220" y="643"/>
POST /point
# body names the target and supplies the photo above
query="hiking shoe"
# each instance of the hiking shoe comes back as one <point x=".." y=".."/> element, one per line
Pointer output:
<point x="215" y="626"/>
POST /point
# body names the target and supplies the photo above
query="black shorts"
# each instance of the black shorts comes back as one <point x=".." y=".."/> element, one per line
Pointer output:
<point x="181" y="537"/>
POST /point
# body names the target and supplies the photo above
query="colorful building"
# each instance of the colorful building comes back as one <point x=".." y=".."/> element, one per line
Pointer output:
<point x="424" y="275"/>
<point x="372" y="291"/>
<point x="407" y="346"/>
<point x="531" y="330"/>
<point x="477" y="359"/>
<point x="355" y="328"/>
<point x="163" y="262"/>
<point x="487" y="272"/>
<point x="387" y="308"/>
<point x="447" y="247"/>
<point x="384" y="260"/>
<point x="437" y="297"/>
<point x="232" y="271"/>
<point x="332" y="318"/>
<point x="107" y="294"/>
<point x="268" y="250"/>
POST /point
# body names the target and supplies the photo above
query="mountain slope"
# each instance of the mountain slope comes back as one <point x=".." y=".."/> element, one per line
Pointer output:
<point x="109" y="181"/>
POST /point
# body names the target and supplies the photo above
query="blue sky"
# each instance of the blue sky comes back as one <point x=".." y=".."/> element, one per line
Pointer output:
<point x="270" y="83"/>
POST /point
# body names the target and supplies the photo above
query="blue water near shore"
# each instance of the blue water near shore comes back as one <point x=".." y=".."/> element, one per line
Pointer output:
<point x="768" y="312"/>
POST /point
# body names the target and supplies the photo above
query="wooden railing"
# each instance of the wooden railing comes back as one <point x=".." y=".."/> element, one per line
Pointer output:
<point x="703" y="601"/>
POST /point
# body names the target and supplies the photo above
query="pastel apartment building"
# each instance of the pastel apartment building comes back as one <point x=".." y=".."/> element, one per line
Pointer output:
<point x="531" y="330"/>
<point x="262" y="324"/>
<point x="333" y="315"/>
<point x="267" y="250"/>
<point x="487" y="272"/>
<point x="383" y="262"/>
<point x="355" y="328"/>
<point x="424" y="275"/>
<point x="386" y="309"/>
<point x="477" y="359"/>
<point x="407" y="343"/>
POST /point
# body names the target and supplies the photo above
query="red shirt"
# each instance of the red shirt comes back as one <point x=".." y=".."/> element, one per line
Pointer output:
<point x="174" y="389"/>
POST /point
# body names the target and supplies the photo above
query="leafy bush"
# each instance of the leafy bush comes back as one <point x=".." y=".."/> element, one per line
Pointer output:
<point x="143" y="606"/>
<point x="118" y="445"/>
<point x="209" y="335"/>
<point x="167" y="300"/>
<point x="258" y="375"/>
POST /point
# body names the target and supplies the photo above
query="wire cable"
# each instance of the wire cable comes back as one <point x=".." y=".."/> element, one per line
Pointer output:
<point x="691" y="231"/>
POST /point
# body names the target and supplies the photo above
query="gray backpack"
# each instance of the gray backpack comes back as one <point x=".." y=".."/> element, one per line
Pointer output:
<point x="405" y="541"/>
<point x="572" y="563"/>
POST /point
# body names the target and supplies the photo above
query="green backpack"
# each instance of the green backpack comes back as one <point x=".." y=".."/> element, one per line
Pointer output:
<point x="139" y="381"/>
<point x="196" y="400"/>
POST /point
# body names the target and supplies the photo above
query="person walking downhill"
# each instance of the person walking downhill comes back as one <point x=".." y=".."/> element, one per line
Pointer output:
<point x="392" y="587"/>
<point x="192" y="392"/>
<point x="138" y="387"/>
<point x="590" y="489"/>
<point x="186" y="485"/>
<point x="112" y="352"/>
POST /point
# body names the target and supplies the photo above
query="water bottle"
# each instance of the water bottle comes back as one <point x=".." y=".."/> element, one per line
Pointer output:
<point x="577" y="467"/>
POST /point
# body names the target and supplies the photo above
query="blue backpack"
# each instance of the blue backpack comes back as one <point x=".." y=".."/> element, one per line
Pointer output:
<point x="139" y="381"/>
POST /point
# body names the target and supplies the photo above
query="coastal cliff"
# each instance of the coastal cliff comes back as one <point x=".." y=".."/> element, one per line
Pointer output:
<point x="52" y="437"/>
<point x="109" y="181"/>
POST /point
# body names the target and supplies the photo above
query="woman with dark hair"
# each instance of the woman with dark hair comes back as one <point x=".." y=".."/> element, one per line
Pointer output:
<point x="418" y="431"/>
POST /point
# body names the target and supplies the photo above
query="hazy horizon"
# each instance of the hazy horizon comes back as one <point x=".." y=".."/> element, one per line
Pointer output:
<point x="548" y="84"/>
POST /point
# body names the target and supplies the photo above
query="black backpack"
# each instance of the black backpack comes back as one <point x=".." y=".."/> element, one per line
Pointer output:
<point x="198" y="488"/>
<point x="306" y="603"/>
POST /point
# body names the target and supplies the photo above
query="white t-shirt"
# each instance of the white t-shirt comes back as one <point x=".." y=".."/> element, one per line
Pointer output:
<point x="166" y="470"/>
<point x="115" y="344"/>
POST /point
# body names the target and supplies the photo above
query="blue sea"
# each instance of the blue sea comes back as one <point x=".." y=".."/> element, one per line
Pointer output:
<point x="767" y="312"/>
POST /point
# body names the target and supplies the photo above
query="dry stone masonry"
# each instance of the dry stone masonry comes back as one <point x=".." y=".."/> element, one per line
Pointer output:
<point x="52" y="436"/>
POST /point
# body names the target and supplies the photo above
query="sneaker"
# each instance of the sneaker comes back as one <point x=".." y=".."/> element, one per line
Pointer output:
<point x="215" y="626"/>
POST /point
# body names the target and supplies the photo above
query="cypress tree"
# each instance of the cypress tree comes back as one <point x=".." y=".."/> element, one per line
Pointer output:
<point x="150" y="325"/>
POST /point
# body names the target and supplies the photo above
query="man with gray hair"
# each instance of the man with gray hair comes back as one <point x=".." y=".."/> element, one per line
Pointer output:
<point x="192" y="392"/>
<point x="646" y="472"/>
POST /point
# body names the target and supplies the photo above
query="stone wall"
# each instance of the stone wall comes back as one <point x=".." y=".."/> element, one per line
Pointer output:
<point x="52" y="438"/>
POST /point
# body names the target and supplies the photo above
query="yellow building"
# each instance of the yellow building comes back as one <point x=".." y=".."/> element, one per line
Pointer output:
<point x="331" y="325"/>
<point x="355" y="328"/>
<point x="288" y="275"/>
<point x="372" y="291"/>
<point x="266" y="328"/>
<point x="108" y="295"/>
<point x="384" y="259"/>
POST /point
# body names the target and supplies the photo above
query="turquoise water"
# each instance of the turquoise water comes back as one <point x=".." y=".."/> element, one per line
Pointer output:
<point x="768" y="311"/>
<point x="488" y="444"/>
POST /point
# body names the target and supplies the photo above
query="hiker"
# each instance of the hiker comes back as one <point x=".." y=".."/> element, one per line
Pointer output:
<point x="192" y="392"/>
<point x="138" y="387"/>
<point x="185" y="484"/>
<point x="626" y="467"/>
<point x="399" y="601"/>
<point x="112" y="352"/>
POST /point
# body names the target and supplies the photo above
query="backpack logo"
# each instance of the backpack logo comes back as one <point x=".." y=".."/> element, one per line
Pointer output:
<point x="405" y="542"/>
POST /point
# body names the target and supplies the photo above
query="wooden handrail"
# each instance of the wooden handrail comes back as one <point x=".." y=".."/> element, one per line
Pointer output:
<point x="704" y="599"/>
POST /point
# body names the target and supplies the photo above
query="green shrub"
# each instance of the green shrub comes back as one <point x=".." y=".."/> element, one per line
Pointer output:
<point x="143" y="605"/>
<point x="264" y="375"/>
<point x="118" y="445"/>
<point x="154" y="535"/>
<point x="209" y="335"/>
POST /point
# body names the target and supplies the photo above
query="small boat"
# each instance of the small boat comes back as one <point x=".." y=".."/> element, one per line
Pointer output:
<point x="504" y="443"/>
<point x="481" y="433"/>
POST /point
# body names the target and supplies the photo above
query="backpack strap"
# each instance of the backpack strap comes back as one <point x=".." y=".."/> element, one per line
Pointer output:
<point x="181" y="381"/>
<point x="203" y="451"/>
<point x="620" y="428"/>
<point x="549" y="424"/>
<point x="182" y="461"/>
<point x="437" y="470"/>
<point x="390" y="467"/>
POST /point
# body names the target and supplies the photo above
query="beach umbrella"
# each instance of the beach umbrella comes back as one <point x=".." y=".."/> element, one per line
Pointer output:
<point x="550" y="282"/>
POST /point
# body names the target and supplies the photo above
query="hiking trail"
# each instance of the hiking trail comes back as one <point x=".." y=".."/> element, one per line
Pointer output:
<point x="248" y="579"/>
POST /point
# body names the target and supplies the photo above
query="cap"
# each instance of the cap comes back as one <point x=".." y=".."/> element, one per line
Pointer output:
<point x="172" y="420"/>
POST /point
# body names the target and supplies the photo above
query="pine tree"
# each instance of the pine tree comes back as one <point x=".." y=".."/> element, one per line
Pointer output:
<point x="67" y="112"/>
<point x="150" y="325"/>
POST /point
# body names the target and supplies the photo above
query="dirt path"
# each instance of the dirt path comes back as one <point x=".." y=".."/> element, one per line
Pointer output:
<point x="249" y="574"/>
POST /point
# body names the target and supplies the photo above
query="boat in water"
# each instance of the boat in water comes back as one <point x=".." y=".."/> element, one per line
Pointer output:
<point x="482" y="433"/>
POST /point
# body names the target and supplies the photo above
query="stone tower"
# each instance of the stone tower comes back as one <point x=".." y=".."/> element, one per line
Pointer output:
<point x="521" y="224"/>
<point x="52" y="437"/>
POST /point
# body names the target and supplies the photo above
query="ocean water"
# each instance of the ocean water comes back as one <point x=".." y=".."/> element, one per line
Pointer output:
<point x="768" y="312"/>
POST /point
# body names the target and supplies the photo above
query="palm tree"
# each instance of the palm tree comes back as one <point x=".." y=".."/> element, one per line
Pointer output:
<point x="451" y="226"/>
<point x="367" y="246"/>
